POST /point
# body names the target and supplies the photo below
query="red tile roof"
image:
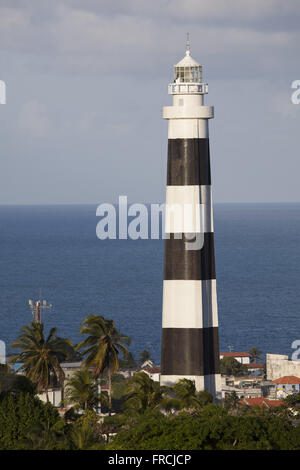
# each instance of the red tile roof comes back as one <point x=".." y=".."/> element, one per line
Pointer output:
<point x="287" y="379"/>
<point x="274" y="403"/>
<point x="255" y="365"/>
<point x="151" y="370"/>
<point x="261" y="402"/>
<point x="235" y="354"/>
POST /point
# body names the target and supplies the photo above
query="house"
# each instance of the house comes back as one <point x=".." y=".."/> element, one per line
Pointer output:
<point x="242" y="357"/>
<point x="261" y="402"/>
<point x="126" y="373"/>
<point x="148" y="363"/>
<point x="287" y="385"/>
<point x="255" y="368"/>
<point x="55" y="396"/>
<point x="70" y="368"/>
<point x="153" y="372"/>
<point x="241" y="392"/>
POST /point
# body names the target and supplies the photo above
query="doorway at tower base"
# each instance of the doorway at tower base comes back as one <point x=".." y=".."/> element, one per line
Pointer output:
<point x="211" y="383"/>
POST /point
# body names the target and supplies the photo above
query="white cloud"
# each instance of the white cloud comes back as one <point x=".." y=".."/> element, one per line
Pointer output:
<point x="101" y="69"/>
<point x="142" y="36"/>
<point x="32" y="120"/>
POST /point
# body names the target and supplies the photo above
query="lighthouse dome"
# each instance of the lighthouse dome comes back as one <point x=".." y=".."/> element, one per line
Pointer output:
<point x="188" y="70"/>
<point x="187" y="61"/>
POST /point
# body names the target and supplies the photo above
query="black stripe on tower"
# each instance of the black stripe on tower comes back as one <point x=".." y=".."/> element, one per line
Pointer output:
<point x="189" y="264"/>
<point x="190" y="351"/>
<point x="188" y="162"/>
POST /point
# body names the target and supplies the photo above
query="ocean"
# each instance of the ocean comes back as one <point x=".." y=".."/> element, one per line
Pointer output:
<point x="53" y="252"/>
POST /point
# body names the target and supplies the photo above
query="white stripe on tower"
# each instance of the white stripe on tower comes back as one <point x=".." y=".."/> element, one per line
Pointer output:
<point x="193" y="205"/>
<point x="190" y="346"/>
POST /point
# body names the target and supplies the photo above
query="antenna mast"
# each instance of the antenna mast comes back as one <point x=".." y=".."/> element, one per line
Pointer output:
<point x="36" y="307"/>
<point x="188" y="46"/>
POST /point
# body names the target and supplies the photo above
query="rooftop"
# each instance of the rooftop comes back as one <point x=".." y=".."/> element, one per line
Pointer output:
<point x="151" y="370"/>
<point x="287" y="379"/>
<point x="235" y="354"/>
<point x="187" y="61"/>
<point x="261" y="402"/>
<point x="255" y="365"/>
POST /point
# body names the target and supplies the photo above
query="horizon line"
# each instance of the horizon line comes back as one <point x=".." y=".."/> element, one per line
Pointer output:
<point x="134" y="202"/>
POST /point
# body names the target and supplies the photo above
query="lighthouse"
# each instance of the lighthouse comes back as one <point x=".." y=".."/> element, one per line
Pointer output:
<point x="190" y="344"/>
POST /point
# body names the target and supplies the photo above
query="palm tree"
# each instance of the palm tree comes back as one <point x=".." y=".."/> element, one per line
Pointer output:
<point x="41" y="436"/>
<point x="82" y="438"/>
<point x="232" y="401"/>
<point x="85" y="432"/>
<point x="185" y="391"/>
<point x="145" y="356"/>
<point x="143" y="393"/>
<point x="255" y="353"/>
<point x="40" y="357"/>
<point x="183" y="395"/>
<point x="82" y="391"/>
<point x="102" y="346"/>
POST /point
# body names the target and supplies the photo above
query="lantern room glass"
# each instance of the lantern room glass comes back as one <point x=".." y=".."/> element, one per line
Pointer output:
<point x="188" y="74"/>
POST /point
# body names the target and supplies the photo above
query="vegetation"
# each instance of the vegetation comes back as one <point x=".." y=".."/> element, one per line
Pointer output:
<point x="212" y="428"/>
<point x="230" y="366"/>
<point x="188" y="397"/>
<point x="102" y="346"/>
<point x="232" y="401"/>
<point x="143" y="394"/>
<point x="255" y="354"/>
<point x="20" y="412"/>
<point x="148" y="416"/>
<point x="144" y="356"/>
<point x="86" y="433"/>
<point x="128" y="363"/>
<point x="81" y="391"/>
<point x="40" y="357"/>
<point x="12" y="382"/>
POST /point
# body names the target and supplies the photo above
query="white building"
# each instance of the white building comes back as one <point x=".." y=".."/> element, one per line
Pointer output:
<point x="55" y="396"/>
<point x="153" y="372"/>
<point x="279" y="365"/>
<point x="2" y="352"/>
<point x="242" y="357"/>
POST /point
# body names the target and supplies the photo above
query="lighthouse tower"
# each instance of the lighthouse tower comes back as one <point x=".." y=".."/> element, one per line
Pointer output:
<point x="190" y="345"/>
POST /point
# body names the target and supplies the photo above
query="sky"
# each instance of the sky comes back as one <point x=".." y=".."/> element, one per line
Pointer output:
<point x="86" y="81"/>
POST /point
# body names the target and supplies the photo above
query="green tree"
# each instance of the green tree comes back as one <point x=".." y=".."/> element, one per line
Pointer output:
<point x="185" y="391"/>
<point x="145" y="356"/>
<point x="82" y="391"/>
<point x="143" y="393"/>
<point x="232" y="401"/>
<point x="19" y="412"/>
<point x="85" y="432"/>
<point x="293" y="401"/>
<point x="255" y="354"/>
<point x="43" y="436"/>
<point x="39" y="356"/>
<point x="290" y="408"/>
<point x="230" y="366"/>
<point x="128" y="363"/>
<point x="213" y="428"/>
<point x="102" y="346"/>
<point x="205" y="398"/>
<point x="12" y="382"/>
